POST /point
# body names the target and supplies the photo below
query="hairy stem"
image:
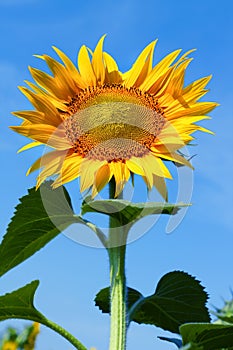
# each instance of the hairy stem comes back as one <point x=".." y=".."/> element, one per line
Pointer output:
<point x="116" y="252"/>
<point x="65" y="334"/>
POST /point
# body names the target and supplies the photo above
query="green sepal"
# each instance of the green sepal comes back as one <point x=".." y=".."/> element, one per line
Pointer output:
<point x="32" y="227"/>
<point x="179" y="298"/>
<point x="208" y="335"/>
<point x="225" y="314"/>
<point x="227" y="319"/>
<point x="126" y="212"/>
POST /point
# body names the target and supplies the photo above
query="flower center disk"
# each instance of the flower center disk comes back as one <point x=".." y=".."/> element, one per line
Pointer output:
<point x="113" y="123"/>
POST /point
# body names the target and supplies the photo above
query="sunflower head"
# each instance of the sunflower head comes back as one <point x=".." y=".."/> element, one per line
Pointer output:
<point x="102" y="123"/>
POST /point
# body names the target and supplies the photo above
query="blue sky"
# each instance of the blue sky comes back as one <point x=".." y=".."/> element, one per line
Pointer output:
<point x="71" y="274"/>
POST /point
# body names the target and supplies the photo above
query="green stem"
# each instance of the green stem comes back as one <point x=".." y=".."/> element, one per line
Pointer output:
<point x="65" y="334"/>
<point x="116" y="252"/>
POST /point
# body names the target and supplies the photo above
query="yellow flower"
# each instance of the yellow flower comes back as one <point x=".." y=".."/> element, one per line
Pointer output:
<point x="10" y="345"/>
<point x="102" y="123"/>
<point x="31" y="340"/>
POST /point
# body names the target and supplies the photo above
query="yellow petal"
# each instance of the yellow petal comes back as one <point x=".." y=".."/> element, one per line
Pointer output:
<point x="85" y="67"/>
<point x="160" y="69"/>
<point x="169" y="143"/>
<point x="71" y="68"/>
<point x="102" y="177"/>
<point x="112" y="74"/>
<point x="51" y="170"/>
<point x="148" y="171"/>
<point x="46" y="82"/>
<point x="177" y="82"/>
<point x="174" y="157"/>
<point x="29" y="145"/>
<point x="161" y="85"/>
<point x="156" y="166"/>
<point x="138" y="65"/>
<point x="56" y="102"/>
<point x="200" y="128"/>
<point x="147" y="68"/>
<point x="143" y="74"/>
<point x="52" y="163"/>
<point x="169" y="135"/>
<point x="169" y="140"/>
<point x="143" y="163"/>
<point x="70" y="170"/>
<point x="43" y="105"/>
<point x="97" y="61"/>
<point x="197" y="85"/>
<point x="201" y="108"/>
<point x="126" y="172"/>
<point x="26" y="123"/>
<point x="61" y="74"/>
<point x="46" y="160"/>
<point x="166" y="148"/>
<point x="118" y="171"/>
<point x="183" y="121"/>
<point x="134" y="167"/>
<point x="183" y="58"/>
<point x="34" y="117"/>
<point x="161" y="187"/>
<point x="46" y="134"/>
<point x="191" y="97"/>
<point x="88" y="171"/>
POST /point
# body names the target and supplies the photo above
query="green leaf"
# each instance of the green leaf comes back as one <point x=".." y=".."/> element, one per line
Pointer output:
<point x="208" y="336"/>
<point x="102" y="298"/>
<point x="179" y="298"/>
<point x="175" y="341"/>
<point x="126" y="212"/>
<point x="19" y="304"/>
<point x="228" y="319"/>
<point x="191" y="346"/>
<point x="225" y="314"/>
<point x="37" y="220"/>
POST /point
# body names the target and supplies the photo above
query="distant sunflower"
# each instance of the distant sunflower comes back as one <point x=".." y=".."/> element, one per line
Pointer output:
<point x="103" y="123"/>
<point x="9" y="345"/>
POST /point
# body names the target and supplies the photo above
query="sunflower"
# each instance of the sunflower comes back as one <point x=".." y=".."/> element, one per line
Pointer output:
<point x="9" y="345"/>
<point x="102" y="123"/>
